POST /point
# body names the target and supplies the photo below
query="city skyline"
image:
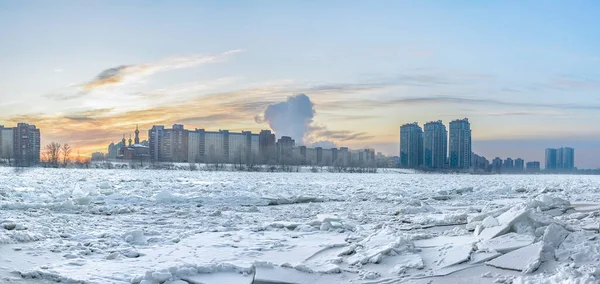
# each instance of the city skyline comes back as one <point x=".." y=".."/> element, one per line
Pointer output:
<point x="524" y="73"/>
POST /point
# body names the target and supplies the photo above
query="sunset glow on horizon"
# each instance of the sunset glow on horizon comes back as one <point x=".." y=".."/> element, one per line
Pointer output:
<point x="521" y="72"/>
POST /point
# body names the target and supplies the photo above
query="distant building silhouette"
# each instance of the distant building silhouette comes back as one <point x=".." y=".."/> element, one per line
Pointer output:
<point x="533" y="166"/>
<point x="98" y="156"/>
<point x="497" y="164"/>
<point x="6" y="143"/>
<point x="411" y="146"/>
<point x="508" y="164"/>
<point x="551" y="161"/>
<point x="266" y="149"/>
<point x="561" y="159"/>
<point x="285" y="146"/>
<point x="460" y="144"/>
<point x="435" y="145"/>
<point x="519" y="165"/>
<point x="26" y="145"/>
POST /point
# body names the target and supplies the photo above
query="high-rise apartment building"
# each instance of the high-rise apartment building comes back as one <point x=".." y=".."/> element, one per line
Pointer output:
<point x="561" y="159"/>
<point x="156" y="139"/>
<point x="411" y="145"/>
<point x="177" y="139"/>
<point x="435" y="145"/>
<point x="6" y="143"/>
<point x="266" y="146"/>
<point x="519" y="165"/>
<point x="565" y="157"/>
<point x="460" y="144"/>
<point x="26" y="145"/>
<point x="497" y="164"/>
<point x="285" y="146"/>
<point x="551" y="161"/>
<point x="168" y="145"/>
<point x="508" y="164"/>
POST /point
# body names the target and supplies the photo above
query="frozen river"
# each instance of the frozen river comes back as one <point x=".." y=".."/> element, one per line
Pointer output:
<point x="127" y="226"/>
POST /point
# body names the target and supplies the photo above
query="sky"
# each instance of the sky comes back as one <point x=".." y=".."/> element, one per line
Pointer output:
<point x="525" y="73"/>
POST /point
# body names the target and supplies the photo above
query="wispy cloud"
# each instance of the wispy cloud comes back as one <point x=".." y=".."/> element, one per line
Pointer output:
<point x="213" y="118"/>
<point x="439" y="100"/>
<point x="321" y="132"/>
<point x="124" y="73"/>
<point x="572" y="82"/>
<point x="521" y="113"/>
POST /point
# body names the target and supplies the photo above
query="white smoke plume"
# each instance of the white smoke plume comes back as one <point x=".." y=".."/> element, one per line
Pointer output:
<point x="290" y="118"/>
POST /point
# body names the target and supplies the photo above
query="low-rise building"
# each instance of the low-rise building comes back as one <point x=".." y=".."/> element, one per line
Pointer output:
<point x="98" y="157"/>
<point x="533" y="166"/>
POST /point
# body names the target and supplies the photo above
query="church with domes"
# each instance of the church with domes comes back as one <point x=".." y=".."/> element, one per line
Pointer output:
<point x="130" y="150"/>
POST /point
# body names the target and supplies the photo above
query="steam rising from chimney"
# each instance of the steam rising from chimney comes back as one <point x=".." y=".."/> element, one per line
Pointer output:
<point x="291" y="117"/>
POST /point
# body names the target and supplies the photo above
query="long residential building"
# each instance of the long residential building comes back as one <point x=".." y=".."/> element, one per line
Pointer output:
<point x="200" y="146"/>
<point x="411" y="145"/>
<point x="20" y="144"/>
<point x="222" y="146"/>
<point x="435" y="145"/>
<point x="460" y="144"/>
<point x="342" y="157"/>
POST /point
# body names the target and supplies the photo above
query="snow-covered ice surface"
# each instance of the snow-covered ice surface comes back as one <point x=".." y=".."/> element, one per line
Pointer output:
<point x="128" y="226"/>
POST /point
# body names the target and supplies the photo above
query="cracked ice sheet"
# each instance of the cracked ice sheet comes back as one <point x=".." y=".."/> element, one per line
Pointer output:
<point x="526" y="259"/>
<point x="506" y="243"/>
<point x="241" y="249"/>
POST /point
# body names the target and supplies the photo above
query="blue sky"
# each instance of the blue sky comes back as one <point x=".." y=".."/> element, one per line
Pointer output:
<point x="522" y="71"/>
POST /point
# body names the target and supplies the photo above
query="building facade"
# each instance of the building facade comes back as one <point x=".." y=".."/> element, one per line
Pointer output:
<point x="168" y="145"/>
<point x="26" y="145"/>
<point x="222" y="146"/>
<point x="533" y="166"/>
<point x="551" y="156"/>
<point x="497" y="165"/>
<point x="6" y="143"/>
<point x="519" y="165"/>
<point x="460" y="144"/>
<point x="435" y="145"/>
<point x="266" y="146"/>
<point x="98" y="157"/>
<point x="480" y="163"/>
<point x="156" y="137"/>
<point x="565" y="158"/>
<point x="561" y="159"/>
<point x="285" y="149"/>
<point x="411" y="146"/>
<point x="508" y="164"/>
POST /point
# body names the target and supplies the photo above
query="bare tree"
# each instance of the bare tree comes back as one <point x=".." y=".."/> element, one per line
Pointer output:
<point x="66" y="151"/>
<point x="52" y="153"/>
